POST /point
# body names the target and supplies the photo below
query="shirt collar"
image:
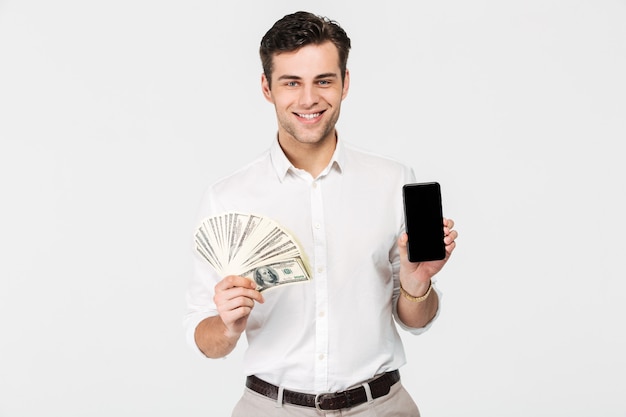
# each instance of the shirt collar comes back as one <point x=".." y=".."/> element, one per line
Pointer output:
<point x="282" y="165"/>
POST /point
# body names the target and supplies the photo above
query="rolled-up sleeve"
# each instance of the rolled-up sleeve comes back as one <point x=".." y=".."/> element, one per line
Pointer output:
<point x="201" y="286"/>
<point x="415" y="330"/>
<point x="200" y="304"/>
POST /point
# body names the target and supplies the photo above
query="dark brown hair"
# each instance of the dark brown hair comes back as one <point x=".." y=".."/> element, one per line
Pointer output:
<point x="296" y="30"/>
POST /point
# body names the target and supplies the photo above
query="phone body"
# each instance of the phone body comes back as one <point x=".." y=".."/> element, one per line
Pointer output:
<point x="423" y="217"/>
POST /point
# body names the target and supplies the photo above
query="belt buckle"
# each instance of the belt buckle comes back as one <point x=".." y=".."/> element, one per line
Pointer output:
<point x="345" y="394"/>
<point x="318" y="402"/>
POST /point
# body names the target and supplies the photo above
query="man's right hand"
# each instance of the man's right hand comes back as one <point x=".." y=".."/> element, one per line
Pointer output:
<point x="234" y="298"/>
<point x="217" y="336"/>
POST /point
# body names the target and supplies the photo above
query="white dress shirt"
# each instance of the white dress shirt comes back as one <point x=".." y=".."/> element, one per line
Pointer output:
<point x="338" y="329"/>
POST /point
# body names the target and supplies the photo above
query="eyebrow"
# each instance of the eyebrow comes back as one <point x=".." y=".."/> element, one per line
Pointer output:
<point x="317" y="77"/>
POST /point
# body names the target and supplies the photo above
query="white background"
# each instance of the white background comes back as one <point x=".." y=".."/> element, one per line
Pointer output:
<point x="115" y="115"/>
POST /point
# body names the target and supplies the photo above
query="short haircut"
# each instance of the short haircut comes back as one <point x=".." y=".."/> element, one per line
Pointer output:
<point x="299" y="29"/>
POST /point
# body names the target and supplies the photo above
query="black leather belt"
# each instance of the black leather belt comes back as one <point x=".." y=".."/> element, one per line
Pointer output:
<point x="330" y="401"/>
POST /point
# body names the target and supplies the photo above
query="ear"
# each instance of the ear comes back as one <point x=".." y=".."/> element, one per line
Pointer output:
<point x="265" y="86"/>
<point x="346" y="84"/>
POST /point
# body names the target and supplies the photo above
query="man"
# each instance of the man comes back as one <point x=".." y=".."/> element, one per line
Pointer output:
<point x="335" y="333"/>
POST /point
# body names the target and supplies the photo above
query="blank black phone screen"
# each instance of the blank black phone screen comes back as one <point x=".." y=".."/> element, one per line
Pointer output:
<point x="424" y="221"/>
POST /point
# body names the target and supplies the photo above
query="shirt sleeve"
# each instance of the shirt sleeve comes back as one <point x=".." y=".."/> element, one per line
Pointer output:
<point x="200" y="290"/>
<point x="415" y="330"/>
<point x="199" y="299"/>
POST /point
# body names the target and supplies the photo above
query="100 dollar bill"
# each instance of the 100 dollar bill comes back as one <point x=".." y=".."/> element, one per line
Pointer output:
<point x="280" y="273"/>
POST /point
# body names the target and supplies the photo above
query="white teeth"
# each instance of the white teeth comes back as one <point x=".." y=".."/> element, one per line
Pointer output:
<point x="309" y="116"/>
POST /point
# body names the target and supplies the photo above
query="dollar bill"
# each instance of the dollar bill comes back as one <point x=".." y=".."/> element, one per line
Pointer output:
<point x="280" y="273"/>
<point x="242" y="244"/>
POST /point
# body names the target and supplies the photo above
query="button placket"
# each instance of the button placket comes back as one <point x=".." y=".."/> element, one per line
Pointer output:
<point x="320" y="280"/>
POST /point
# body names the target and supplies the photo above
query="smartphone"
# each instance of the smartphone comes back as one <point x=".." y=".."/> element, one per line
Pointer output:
<point x="423" y="218"/>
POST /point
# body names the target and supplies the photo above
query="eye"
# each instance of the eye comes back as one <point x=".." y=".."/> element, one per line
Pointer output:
<point x="292" y="84"/>
<point x="324" y="82"/>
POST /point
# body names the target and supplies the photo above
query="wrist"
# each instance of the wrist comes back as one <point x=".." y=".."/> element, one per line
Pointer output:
<point x="418" y="293"/>
<point x="230" y="334"/>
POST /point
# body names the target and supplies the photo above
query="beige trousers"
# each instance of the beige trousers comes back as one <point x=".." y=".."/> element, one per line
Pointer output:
<point x="398" y="403"/>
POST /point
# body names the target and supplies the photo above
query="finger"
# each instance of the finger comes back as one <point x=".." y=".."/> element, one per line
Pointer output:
<point x="450" y="237"/>
<point x="235" y="319"/>
<point x="403" y="239"/>
<point x="447" y="228"/>
<point x="233" y="293"/>
<point x="449" y="249"/>
<point x="402" y="242"/>
<point x="239" y="282"/>
<point x="235" y="286"/>
<point x="233" y="281"/>
<point x="238" y="305"/>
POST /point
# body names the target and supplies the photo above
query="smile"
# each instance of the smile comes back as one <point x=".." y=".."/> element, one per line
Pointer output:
<point x="309" y="116"/>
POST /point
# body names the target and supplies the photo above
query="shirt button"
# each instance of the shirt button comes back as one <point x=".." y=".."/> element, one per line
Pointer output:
<point x="314" y="185"/>
<point x="317" y="225"/>
<point x="320" y="269"/>
<point x="321" y="357"/>
<point x="321" y="314"/>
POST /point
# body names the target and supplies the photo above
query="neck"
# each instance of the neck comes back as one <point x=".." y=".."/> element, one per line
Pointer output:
<point x="310" y="157"/>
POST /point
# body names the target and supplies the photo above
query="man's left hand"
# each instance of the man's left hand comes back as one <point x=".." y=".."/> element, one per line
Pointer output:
<point x="416" y="276"/>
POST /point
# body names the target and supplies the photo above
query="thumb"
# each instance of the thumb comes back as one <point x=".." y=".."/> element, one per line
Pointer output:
<point x="402" y="242"/>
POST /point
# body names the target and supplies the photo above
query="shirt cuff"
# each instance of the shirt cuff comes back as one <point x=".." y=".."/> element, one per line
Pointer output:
<point x="419" y="330"/>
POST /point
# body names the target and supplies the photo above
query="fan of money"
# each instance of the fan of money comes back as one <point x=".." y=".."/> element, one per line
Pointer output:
<point x="252" y="246"/>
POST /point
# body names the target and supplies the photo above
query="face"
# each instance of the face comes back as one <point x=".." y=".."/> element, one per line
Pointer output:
<point x="266" y="276"/>
<point x="307" y="91"/>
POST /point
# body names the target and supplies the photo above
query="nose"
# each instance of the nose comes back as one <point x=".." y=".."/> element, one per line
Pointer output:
<point x="308" y="96"/>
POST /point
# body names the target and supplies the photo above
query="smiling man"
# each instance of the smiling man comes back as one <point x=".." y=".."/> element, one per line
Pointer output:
<point x="308" y="100"/>
<point x="329" y="346"/>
